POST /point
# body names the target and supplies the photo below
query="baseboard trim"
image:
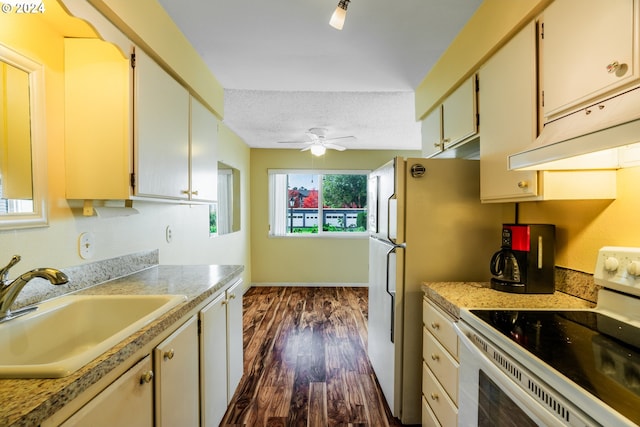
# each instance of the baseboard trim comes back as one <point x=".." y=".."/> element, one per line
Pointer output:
<point x="310" y="285"/>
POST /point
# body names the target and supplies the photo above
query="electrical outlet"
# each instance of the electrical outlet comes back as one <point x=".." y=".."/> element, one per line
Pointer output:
<point x="169" y="234"/>
<point x="86" y="245"/>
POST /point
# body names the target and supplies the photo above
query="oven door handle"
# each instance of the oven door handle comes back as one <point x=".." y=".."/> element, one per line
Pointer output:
<point x="515" y="392"/>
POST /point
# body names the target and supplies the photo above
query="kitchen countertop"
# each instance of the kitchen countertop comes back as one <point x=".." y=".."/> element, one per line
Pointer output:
<point x="28" y="402"/>
<point x="451" y="296"/>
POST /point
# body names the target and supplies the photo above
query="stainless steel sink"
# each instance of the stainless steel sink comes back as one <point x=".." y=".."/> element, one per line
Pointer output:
<point x="66" y="333"/>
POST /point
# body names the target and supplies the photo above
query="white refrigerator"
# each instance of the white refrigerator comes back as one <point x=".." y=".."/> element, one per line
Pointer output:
<point x="426" y="224"/>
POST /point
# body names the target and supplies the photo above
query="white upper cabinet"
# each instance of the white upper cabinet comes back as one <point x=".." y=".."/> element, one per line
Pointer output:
<point x="432" y="133"/>
<point x="203" y="149"/>
<point x="589" y="49"/>
<point x="509" y="124"/>
<point x="138" y="134"/>
<point x="459" y="114"/>
<point x="453" y="122"/>
<point x="508" y="105"/>
<point x="161" y="124"/>
<point x="98" y="112"/>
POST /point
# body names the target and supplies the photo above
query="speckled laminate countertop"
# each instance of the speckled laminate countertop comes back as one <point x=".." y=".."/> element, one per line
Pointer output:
<point x="451" y="296"/>
<point x="28" y="402"/>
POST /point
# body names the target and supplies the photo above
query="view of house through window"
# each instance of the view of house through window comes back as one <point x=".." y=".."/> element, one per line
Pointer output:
<point x="314" y="202"/>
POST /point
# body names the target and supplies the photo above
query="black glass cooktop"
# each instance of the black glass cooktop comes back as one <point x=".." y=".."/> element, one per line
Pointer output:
<point x="598" y="353"/>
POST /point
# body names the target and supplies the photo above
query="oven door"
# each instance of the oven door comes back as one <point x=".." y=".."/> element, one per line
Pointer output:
<point x="489" y="397"/>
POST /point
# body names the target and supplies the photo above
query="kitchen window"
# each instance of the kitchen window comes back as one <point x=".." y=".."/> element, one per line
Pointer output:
<point x="312" y="203"/>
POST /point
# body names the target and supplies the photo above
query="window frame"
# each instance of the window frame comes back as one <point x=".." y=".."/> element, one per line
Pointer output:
<point x="281" y="211"/>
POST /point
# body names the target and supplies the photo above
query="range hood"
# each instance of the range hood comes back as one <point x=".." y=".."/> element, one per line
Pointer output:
<point x="605" y="135"/>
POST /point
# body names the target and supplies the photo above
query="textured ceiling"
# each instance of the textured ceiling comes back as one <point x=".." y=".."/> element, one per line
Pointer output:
<point x="285" y="70"/>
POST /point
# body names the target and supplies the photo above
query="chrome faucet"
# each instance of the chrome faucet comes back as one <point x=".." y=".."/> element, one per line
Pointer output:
<point x="9" y="291"/>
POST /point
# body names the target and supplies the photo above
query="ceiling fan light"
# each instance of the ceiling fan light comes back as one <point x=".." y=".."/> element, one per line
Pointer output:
<point x="318" y="150"/>
<point x="339" y="15"/>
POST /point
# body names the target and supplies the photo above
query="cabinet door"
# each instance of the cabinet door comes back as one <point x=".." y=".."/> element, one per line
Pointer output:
<point x="581" y="40"/>
<point x="234" y="337"/>
<point x="213" y="361"/>
<point x="508" y="105"/>
<point x="161" y="107"/>
<point x="432" y="133"/>
<point x="459" y="120"/>
<point x="97" y="120"/>
<point x="204" y="161"/>
<point x="128" y="401"/>
<point x="177" y="377"/>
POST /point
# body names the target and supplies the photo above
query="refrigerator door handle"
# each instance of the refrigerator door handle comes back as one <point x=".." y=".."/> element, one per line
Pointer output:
<point x="392" y="219"/>
<point x="392" y="294"/>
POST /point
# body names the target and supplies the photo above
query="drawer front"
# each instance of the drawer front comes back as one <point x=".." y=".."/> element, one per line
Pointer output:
<point x="428" y="417"/>
<point x="441" y="363"/>
<point x="441" y="405"/>
<point x="441" y="327"/>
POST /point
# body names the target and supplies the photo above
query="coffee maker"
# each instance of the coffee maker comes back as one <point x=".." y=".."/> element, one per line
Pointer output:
<point x="526" y="261"/>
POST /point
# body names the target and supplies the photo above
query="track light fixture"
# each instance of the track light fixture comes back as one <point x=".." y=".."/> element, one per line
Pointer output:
<point x="337" y="19"/>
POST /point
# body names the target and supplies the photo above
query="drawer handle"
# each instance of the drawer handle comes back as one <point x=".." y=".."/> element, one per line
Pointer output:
<point x="435" y="325"/>
<point x="523" y="184"/>
<point x="146" y="378"/>
<point x="168" y="355"/>
<point x="435" y="357"/>
<point x="434" y="396"/>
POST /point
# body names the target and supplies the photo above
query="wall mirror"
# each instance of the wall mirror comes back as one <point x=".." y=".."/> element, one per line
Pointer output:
<point x="22" y="150"/>
<point x="226" y="213"/>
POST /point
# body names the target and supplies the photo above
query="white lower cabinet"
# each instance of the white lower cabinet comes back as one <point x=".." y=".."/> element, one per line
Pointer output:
<point x="187" y="379"/>
<point x="177" y="394"/>
<point x="221" y="354"/>
<point x="439" y="368"/>
<point x="128" y="401"/>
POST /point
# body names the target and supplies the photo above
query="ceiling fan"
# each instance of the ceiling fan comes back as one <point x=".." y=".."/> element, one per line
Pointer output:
<point x="318" y="142"/>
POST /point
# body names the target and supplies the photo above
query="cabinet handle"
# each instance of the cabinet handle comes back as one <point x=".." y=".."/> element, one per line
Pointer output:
<point x="184" y="192"/>
<point x="613" y="67"/>
<point x="435" y="325"/>
<point x="168" y="355"/>
<point x="224" y="302"/>
<point x="434" y="396"/>
<point x="435" y="357"/>
<point x="194" y="193"/>
<point x="523" y="184"/>
<point x="232" y="296"/>
<point x="438" y="144"/>
<point x="146" y="377"/>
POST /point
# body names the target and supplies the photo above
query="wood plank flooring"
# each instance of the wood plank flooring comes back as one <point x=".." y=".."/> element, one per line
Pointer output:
<point x="305" y="361"/>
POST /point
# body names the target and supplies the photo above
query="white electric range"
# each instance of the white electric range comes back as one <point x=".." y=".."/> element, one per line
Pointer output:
<point x="550" y="367"/>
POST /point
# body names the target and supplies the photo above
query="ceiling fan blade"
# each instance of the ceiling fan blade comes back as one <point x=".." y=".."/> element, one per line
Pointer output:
<point x="306" y="148"/>
<point x="293" y="142"/>
<point x="335" y="147"/>
<point x="339" y="137"/>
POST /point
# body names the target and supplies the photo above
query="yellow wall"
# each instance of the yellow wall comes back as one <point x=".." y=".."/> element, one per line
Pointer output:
<point x="583" y="227"/>
<point x="57" y="245"/>
<point x="307" y="259"/>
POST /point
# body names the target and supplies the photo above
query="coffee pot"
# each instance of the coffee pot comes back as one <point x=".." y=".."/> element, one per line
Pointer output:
<point x="525" y="262"/>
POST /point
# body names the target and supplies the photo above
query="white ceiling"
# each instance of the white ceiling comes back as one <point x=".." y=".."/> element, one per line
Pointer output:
<point x="285" y="70"/>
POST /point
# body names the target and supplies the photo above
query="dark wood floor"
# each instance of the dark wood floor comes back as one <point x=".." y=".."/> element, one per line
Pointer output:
<point x="305" y="361"/>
